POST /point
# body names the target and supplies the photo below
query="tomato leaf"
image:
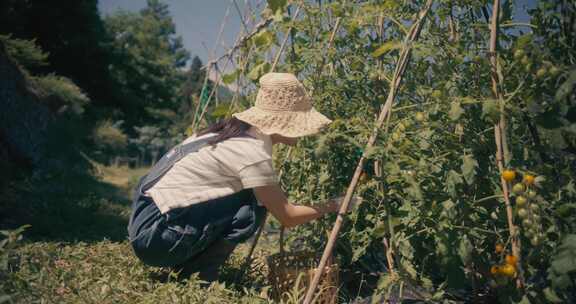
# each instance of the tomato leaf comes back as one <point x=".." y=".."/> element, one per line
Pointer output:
<point x="549" y="120"/>
<point x="452" y="180"/>
<point x="386" y="47"/>
<point x="469" y="165"/>
<point x="259" y="70"/>
<point x="263" y="40"/>
<point x="490" y="110"/>
<point x="455" y="111"/>
<point x="277" y="7"/>
<point x="229" y="78"/>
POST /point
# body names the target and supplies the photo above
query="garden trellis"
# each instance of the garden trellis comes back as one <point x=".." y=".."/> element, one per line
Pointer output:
<point x="458" y="162"/>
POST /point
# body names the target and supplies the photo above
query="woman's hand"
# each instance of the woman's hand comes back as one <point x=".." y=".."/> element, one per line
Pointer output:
<point x="290" y="215"/>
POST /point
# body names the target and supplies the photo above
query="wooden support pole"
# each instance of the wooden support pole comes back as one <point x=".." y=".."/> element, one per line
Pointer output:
<point x="286" y="36"/>
<point x="502" y="153"/>
<point x="397" y="77"/>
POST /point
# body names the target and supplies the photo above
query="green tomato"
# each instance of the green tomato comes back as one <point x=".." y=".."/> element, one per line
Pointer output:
<point x="535" y="241"/>
<point x="420" y="116"/>
<point x="522" y="213"/>
<point x="519" y="54"/>
<point x="531" y="194"/>
<point x="401" y="127"/>
<point x="521" y="201"/>
<point x="534" y="207"/>
<point x="554" y="71"/>
<point x="541" y="72"/>
<point x="526" y="223"/>
<point x="525" y="60"/>
<point x="518" y="188"/>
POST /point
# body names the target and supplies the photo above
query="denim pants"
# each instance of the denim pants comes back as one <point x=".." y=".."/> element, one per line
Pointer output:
<point x="170" y="239"/>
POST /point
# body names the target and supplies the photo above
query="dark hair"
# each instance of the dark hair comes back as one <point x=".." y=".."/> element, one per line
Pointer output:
<point x="226" y="128"/>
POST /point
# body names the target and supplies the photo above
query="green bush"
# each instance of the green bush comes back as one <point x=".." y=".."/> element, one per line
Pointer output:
<point x="25" y="52"/>
<point x="109" y="136"/>
<point x="62" y="92"/>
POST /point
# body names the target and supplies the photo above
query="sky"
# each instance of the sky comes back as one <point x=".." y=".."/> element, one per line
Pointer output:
<point x="198" y="21"/>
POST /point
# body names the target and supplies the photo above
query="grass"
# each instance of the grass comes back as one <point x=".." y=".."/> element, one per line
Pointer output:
<point x="76" y="249"/>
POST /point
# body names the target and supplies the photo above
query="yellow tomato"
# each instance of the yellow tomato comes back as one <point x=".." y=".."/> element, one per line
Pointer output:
<point x="509" y="175"/>
<point x="507" y="270"/>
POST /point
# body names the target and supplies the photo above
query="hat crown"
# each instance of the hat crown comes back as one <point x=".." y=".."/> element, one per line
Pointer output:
<point x="282" y="92"/>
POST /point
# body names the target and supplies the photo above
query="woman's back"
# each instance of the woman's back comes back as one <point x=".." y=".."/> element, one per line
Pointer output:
<point x="216" y="170"/>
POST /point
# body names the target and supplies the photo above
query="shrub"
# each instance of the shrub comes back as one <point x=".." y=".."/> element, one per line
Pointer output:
<point x="61" y="93"/>
<point x="25" y="52"/>
<point x="109" y="136"/>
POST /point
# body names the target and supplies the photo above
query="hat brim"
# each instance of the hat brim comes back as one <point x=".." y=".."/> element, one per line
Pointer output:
<point x="289" y="124"/>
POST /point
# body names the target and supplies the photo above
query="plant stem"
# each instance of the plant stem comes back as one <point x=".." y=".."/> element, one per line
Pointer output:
<point x="502" y="153"/>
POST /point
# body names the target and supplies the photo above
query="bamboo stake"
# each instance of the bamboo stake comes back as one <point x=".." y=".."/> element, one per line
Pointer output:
<point x="501" y="142"/>
<point x="260" y="26"/>
<point x="396" y="80"/>
<point x="286" y="36"/>
<point x="388" y="246"/>
<point x="209" y="70"/>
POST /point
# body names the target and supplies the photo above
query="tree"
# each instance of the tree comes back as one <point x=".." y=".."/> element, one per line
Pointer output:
<point x="148" y="57"/>
<point x="71" y="32"/>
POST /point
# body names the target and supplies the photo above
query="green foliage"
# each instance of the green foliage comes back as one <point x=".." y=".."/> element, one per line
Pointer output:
<point x="263" y="40"/>
<point x="25" y="52"/>
<point x="259" y="70"/>
<point x="563" y="265"/>
<point x="386" y="47"/>
<point x="9" y="241"/>
<point x="63" y="91"/>
<point x="148" y="56"/>
<point x="437" y="200"/>
<point x="108" y="135"/>
<point x="103" y="272"/>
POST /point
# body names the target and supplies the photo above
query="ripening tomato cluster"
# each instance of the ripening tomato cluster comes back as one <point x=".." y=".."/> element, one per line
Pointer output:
<point x="527" y="207"/>
<point x="506" y="269"/>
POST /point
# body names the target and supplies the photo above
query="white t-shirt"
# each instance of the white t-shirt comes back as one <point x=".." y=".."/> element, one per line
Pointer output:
<point x="215" y="171"/>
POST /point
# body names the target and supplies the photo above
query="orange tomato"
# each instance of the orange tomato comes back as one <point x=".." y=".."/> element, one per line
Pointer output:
<point x="494" y="270"/>
<point x="499" y="248"/>
<point x="508" y="175"/>
<point x="511" y="260"/>
<point x="528" y="179"/>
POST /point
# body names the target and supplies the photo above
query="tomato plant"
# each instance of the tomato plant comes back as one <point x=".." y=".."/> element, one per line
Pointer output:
<point x="434" y="205"/>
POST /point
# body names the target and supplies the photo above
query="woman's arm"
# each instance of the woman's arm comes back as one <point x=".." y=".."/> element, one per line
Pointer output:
<point x="289" y="215"/>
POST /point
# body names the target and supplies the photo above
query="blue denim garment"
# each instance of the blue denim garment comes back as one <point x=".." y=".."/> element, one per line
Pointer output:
<point x="172" y="238"/>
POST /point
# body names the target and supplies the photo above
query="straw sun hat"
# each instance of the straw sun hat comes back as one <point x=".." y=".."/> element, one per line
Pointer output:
<point x="283" y="107"/>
